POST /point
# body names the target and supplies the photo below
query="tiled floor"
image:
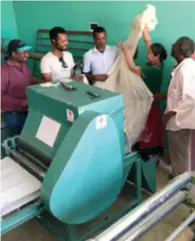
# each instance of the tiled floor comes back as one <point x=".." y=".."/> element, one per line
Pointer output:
<point x="32" y="231"/>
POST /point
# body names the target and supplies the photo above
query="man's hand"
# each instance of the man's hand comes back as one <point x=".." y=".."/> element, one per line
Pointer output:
<point x="47" y="77"/>
<point x="101" y="77"/>
<point x="121" y="45"/>
<point x="167" y="117"/>
<point x="36" y="80"/>
<point x="138" y="70"/>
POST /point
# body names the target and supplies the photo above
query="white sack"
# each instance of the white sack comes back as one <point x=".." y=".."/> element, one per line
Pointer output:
<point x="137" y="97"/>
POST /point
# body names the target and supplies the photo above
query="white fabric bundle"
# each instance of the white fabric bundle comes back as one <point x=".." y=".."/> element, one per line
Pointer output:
<point x="137" y="97"/>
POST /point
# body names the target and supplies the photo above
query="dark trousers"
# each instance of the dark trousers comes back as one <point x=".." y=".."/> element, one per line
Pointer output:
<point x="14" y="121"/>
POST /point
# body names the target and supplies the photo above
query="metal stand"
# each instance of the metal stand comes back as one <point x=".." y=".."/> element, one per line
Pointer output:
<point x="82" y="232"/>
<point x="131" y="226"/>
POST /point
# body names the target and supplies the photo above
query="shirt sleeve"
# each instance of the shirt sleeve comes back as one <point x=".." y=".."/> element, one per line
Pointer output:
<point x="185" y="91"/>
<point x="45" y="66"/>
<point x="186" y="99"/>
<point x="5" y="98"/>
<point x="86" y="64"/>
<point x="72" y="63"/>
<point x="30" y="75"/>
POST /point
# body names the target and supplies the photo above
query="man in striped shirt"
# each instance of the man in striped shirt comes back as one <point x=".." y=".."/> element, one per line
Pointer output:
<point x="179" y="117"/>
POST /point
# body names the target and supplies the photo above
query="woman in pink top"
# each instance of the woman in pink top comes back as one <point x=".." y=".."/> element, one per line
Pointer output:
<point x="15" y="77"/>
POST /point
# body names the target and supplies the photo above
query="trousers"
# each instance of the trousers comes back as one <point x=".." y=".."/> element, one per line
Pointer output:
<point x="14" y="121"/>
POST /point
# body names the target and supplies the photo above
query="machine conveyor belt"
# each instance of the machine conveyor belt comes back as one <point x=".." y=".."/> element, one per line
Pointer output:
<point x="19" y="187"/>
<point x="28" y="164"/>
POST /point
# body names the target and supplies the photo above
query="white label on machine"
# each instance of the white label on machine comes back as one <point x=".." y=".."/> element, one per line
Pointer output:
<point x="101" y="122"/>
<point x="48" y="131"/>
<point x="49" y="84"/>
<point x="69" y="115"/>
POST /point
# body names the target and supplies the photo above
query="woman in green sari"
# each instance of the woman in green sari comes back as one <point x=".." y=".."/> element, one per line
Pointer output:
<point x="151" y="140"/>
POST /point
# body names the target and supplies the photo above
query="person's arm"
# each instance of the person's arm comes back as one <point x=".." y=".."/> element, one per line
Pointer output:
<point x="87" y="71"/>
<point x="46" y="77"/>
<point x="45" y="70"/>
<point x="147" y="39"/>
<point x="72" y="66"/>
<point x="131" y="65"/>
<point x="36" y="80"/>
<point x="99" y="77"/>
<point x="5" y="97"/>
<point x="32" y="79"/>
<point x="167" y="117"/>
<point x="74" y="77"/>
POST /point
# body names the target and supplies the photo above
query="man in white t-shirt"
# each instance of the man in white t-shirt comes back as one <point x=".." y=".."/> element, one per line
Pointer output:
<point x="58" y="64"/>
<point x="99" y="60"/>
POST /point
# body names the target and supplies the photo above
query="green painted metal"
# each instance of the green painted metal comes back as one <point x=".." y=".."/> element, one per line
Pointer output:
<point x="128" y="163"/>
<point x="132" y="167"/>
<point x="86" y="172"/>
<point x="55" y="101"/>
<point x="67" y="232"/>
<point x="20" y="217"/>
<point x="4" y="135"/>
<point x="149" y="175"/>
<point x="88" y="168"/>
<point x="189" y="202"/>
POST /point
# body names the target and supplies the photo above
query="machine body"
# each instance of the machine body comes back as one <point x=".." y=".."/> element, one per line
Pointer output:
<point x="73" y="141"/>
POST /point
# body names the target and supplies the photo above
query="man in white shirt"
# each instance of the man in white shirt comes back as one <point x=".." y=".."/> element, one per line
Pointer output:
<point x="58" y="64"/>
<point x="99" y="60"/>
<point x="179" y="117"/>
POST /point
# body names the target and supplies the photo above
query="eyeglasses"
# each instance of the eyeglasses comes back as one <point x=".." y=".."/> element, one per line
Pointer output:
<point x="64" y="64"/>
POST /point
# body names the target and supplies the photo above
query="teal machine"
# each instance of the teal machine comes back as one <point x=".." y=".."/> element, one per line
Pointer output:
<point x="73" y="141"/>
<point x="4" y="134"/>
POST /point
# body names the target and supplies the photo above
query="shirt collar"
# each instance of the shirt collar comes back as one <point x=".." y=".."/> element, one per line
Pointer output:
<point x="97" y="51"/>
<point x="11" y="63"/>
<point x="187" y="60"/>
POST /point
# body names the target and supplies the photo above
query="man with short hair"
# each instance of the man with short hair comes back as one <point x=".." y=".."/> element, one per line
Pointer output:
<point x="179" y="117"/>
<point x="99" y="60"/>
<point x="58" y="64"/>
<point x="15" y="77"/>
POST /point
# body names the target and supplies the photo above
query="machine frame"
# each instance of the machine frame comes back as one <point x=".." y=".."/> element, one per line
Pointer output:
<point x="134" y="224"/>
<point x="48" y="163"/>
<point x="38" y="211"/>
